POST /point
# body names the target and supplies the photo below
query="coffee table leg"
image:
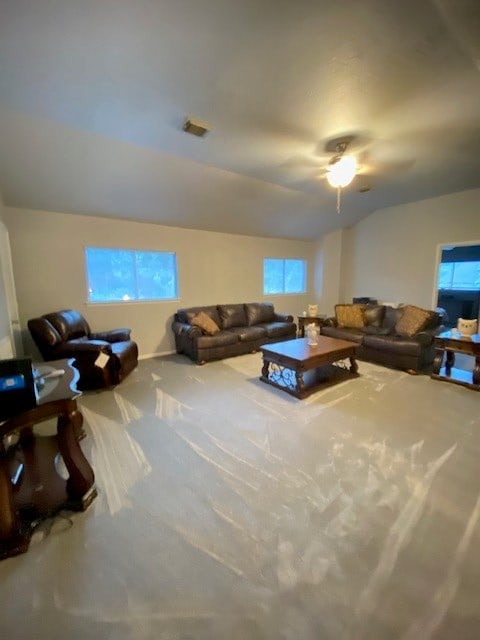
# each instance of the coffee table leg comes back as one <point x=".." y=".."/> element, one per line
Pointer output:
<point x="265" y="369"/>
<point x="300" y="384"/>
<point x="353" y="365"/>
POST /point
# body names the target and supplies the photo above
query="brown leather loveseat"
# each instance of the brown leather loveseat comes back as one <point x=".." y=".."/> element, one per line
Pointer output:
<point x="225" y="330"/>
<point x="397" y="337"/>
<point x="103" y="359"/>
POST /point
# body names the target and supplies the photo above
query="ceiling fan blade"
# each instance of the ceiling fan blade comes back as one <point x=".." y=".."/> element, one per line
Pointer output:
<point x="301" y="161"/>
<point x="395" y="167"/>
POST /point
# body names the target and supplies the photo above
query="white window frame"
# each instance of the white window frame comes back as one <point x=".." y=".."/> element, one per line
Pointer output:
<point x="130" y="300"/>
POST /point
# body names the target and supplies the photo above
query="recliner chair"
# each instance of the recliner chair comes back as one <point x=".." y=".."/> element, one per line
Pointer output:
<point x="66" y="334"/>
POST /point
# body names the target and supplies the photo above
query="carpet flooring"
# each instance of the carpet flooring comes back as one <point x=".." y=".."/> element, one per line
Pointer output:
<point x="228" y="509"/>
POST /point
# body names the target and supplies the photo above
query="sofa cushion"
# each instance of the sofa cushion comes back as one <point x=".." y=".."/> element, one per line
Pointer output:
<point x="376" y="331"/>
<point x="393" y="344"/>
<point x="186" y="315"/>
<point x="343" y="333"/>
<point x="413" y="320"/>
<point x="279" y="329"/>
<point x="350" y="315"/>
<point x="247" y="334"/>
<point x="206" y="324"/>
<point x="374" y="315"/>
<point x="232" y="315"/>
<point x="258" y="312"/>
<point x="220" y="339"/>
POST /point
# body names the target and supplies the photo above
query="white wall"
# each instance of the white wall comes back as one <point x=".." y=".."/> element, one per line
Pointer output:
<point x="392" y="254"/>
<point x="328" y="271"/>
<point x="6" y="347"/>
<point x="48" y="260"/>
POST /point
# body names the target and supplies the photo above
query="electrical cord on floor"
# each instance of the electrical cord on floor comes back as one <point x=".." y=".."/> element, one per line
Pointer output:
<point x="45" y="525"/>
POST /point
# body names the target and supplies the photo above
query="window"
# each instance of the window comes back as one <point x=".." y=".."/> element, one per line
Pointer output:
<point x="459" y="275"/>
<point x="284" y="275"/>
<point x="121" y="275"/>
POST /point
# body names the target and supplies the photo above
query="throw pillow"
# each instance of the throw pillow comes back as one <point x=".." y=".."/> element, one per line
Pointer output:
<point x="412" y="320"/>
<point x="350" y="315"/>
<point x="206" y="324"/>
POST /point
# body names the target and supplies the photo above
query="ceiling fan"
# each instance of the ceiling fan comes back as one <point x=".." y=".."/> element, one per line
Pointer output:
<point x="342" y="159"/>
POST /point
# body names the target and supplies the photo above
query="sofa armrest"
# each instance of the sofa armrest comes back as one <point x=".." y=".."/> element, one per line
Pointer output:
<point x="425" y="338"/>
<point x="330" y="322"/>
<point x="73" y="348"/>
<point x="114" y="335"/>
<point x="182" y="328"/>
<point x="283" y="317"/>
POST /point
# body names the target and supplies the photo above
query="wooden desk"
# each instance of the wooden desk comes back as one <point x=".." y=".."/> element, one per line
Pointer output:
<point x="446" y="345"/>
<point x="30" y="487"/>
<point x="304" y="320"/>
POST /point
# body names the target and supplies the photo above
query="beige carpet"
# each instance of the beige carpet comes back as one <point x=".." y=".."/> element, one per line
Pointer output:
<point x="228" y="509"/>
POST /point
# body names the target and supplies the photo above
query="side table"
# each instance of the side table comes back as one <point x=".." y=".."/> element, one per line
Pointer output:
<point x="30" y="486"/>
<point x="304" y="320"/>
<point x="447" y="344"/>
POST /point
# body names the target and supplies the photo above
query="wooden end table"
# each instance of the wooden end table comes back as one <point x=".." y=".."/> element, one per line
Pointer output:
<point x="446" y="345"/>
<point x="300" y="369"/>
<point x="30" y="487"/>
<point x="319" y="321"/>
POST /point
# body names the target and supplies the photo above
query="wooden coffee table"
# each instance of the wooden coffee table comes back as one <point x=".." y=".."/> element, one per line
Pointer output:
<point x="300" y="369"/>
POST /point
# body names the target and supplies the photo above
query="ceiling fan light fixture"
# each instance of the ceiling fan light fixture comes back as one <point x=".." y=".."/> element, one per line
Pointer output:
<point x="341" y="172"/>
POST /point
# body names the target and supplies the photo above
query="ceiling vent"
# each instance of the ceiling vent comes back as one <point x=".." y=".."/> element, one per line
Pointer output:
<point x="196" y="127"/>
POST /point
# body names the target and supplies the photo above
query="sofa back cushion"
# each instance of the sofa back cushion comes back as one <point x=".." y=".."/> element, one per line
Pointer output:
<point x="208" y="326"/>
<point x="350" y="315"/>
<point x="258" y="312"/>
<point x="392" y="316"/>
<point x="69" y="323"/>
<point x="232" y="315"/>
<point x="187" y="315"/>
<point x="413" y="320"/>
<point x="374" y="315"/>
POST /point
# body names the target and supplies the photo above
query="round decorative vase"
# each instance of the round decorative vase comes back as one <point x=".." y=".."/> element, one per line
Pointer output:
<point x="467" y="327"/>
<point x="312" y="310"/>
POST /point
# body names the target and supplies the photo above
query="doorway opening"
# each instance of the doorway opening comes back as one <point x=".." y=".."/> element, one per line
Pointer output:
<point x="457" y="286"/>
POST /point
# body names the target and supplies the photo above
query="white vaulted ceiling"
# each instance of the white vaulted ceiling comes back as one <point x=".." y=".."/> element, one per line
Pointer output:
<point x="93" y="96"/>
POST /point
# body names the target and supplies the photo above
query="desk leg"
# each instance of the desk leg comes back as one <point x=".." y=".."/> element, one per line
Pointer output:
<point x="81" y="478"/>
<point x="12" y="540"/>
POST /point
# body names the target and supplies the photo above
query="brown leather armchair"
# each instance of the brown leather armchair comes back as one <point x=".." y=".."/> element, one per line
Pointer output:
<point x="103" y="359"/>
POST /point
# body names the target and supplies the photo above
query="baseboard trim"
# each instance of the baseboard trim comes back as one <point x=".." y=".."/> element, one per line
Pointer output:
<point x="147" y="356"/>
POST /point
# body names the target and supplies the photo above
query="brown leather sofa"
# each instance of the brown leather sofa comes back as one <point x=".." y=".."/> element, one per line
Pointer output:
<point x="66" y="334"/>
<point x="378" y="340"/>
<point x="243" y="328"/>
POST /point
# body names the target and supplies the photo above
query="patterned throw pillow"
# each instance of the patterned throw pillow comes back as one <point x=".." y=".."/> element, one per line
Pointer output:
<point x="413" y="320"/>
<point x="350" y="315"/>
<point x="206" y="324"/>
